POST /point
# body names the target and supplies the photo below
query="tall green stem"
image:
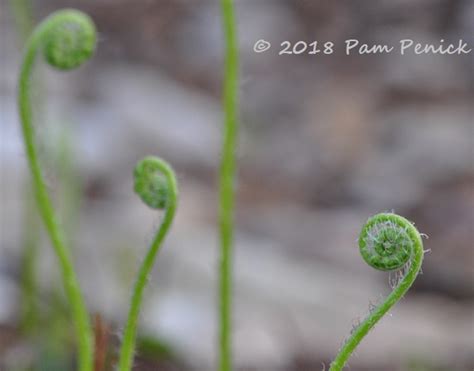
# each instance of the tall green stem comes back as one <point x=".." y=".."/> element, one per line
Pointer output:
<point x="158" y="193"/>
<point x="59" y="36"/>
<point x="387" y="242"/>
<point x="227" y="183"/>
<point x="23" y="17"/>
<point x="22" y="13"/>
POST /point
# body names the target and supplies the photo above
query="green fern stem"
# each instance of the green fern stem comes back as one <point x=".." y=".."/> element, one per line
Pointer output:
<point x="155" y="183"/>
<point x="387" y="242"/>
<point x="23" y="16"/>
<point x="67" y="38"/>
<point x="227" y="180"/>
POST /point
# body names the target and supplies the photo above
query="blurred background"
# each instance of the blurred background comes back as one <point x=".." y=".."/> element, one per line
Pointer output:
<point x="326" y="141"/>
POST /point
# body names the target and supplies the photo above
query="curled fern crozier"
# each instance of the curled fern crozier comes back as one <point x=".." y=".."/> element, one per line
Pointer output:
<point x="387" y="242"/>
<point x="67" y="39"/>
<point x="155" y="184"/>
<point x="70" y="39"/>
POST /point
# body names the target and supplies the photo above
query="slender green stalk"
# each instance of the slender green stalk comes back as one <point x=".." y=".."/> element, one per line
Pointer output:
<point x="387" y="242"/>
<point x="23" y="17"/>
<point x="67" y="39"/>
<point x="227" y="180"/>
<point x="22" y="12"/>
<point x="156" y="185"/>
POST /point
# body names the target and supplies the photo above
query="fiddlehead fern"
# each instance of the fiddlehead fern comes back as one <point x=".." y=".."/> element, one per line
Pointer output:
<point x="155" y="184"/>
<point x="227" y="179"/>
<point x="67" y="38"/>
<point x="387" y="242"/>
